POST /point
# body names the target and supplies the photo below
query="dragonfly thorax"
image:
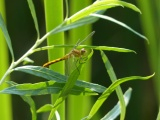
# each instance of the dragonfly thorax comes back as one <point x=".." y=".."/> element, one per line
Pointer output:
<point x="78" y="53"/>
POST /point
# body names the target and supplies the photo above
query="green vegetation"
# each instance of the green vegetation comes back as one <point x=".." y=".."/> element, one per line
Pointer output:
<point x="62" y="35"/>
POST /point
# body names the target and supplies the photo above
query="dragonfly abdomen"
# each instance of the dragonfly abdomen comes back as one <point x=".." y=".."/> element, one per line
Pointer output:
<point x="56" y="60"/>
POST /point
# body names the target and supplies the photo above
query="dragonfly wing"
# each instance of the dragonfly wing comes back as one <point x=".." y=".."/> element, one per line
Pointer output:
<point x="71" y="64"/>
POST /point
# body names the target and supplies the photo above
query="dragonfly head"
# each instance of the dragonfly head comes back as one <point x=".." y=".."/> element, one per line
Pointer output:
<point x="83" y="51"/>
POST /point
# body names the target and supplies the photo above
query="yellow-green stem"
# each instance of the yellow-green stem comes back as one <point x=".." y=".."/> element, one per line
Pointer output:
<point x="5" y="100"/>
<point x="54" y="17"/>
<point x="82" y="103"/>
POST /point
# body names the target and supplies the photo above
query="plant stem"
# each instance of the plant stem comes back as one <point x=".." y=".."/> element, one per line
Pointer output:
<point x="83" y="104"/>
<point x="54" y="17"/>
<point x="5" y="99"/>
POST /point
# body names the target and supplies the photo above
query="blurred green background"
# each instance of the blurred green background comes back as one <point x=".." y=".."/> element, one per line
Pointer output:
<point x="144" y="101"/>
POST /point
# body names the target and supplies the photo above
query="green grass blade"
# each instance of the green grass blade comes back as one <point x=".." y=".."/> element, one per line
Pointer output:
<point x="7" y="37"/>
<point x="113" y="78"/>
<point x="121" y="24"/>
<point x="109" y="90"/>
<point x="113" y="114"/>
<point x="33" y="13"/>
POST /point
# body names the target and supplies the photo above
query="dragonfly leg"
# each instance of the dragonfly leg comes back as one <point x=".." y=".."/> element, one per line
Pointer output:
<point x="82" y="60"/>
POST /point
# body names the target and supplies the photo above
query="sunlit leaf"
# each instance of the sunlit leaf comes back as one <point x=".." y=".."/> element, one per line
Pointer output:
<point x="45" y="108"/>
<point x="112" y="87"/>
<point x="115" y="3"/>
<point x="65" y="91"/>
<point x="113" y="78"/>
<point x="52" y="75"/>
<point x="109" y="90"/>
<point x="107" y="48"/>
<point x="100" y="5"/>
<point x="83" y="16"/>
<point x="42" y="88"/>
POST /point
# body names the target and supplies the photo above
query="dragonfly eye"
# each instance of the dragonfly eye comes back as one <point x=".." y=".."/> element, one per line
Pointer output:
<point x="83" y="51"/>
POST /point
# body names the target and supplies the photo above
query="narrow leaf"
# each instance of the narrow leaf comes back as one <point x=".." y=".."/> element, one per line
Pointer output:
<point x="45" y="108"/>
<point x="113" y="78"/>
<point x="42" y="72"/>
<point x="113" y="114"/>
<point x="116" y="49"/>
<point x="43" y="88"/>
<point x="81" y="22"/>
<point x="114" y="3"/>
<point x="100" y="5"/>
<point x="65" y="91"/>
<point x="33" y="13"/>
<point x="31" y="103"/>
<point x="52" y="75"/>
<point x="112" y="87"/>
<point x="71" y="81"/>
<point x="107" y="48"/>
<point x="109" y="90"/>
<point x="119" y="23"/>
<point x="6" y="35"/>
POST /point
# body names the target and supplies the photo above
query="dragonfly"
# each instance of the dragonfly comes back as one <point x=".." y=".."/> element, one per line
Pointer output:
<point x="74" y="52"/>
